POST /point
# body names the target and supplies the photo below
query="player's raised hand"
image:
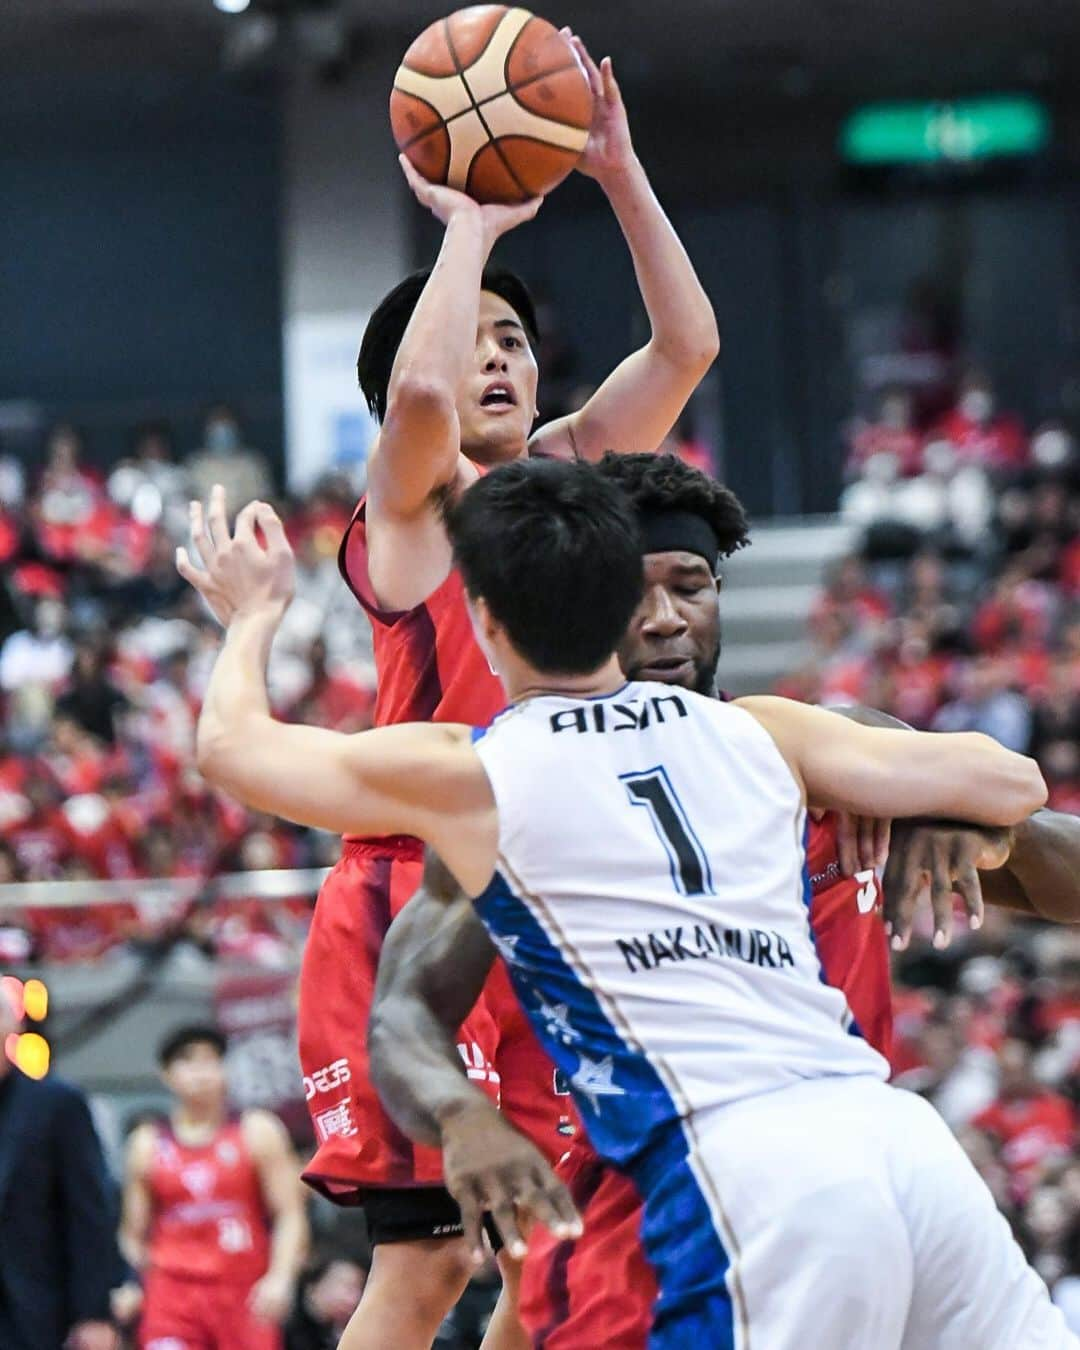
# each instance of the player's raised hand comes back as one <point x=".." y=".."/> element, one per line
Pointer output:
<point x="445" y="203"/>
<point x="609" y="149"/>
<point x="933" y="860"/>
<point x="251" y="570"/>
<point x="490" y="1168"/>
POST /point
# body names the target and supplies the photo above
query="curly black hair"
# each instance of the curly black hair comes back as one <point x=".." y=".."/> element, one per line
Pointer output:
<point x="662" y="482"/>
<point x="386" y="327"/>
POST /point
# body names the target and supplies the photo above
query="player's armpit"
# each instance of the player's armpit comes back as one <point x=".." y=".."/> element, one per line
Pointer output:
<point x="847" y="767"/>
<point x="432" y="969"/>
<point x="409" y="556"/>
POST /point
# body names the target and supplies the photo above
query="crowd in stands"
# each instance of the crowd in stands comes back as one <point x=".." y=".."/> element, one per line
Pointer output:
<point x="961" y="611"/>
<point x="104" y="654"/>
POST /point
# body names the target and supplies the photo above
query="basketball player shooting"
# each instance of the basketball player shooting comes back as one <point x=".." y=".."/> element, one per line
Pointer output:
<point x="448" y="366"/>
<point x="586" y="824"/>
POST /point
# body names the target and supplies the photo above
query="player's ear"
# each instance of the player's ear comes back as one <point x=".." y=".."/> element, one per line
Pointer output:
<point x="484" y="628"/>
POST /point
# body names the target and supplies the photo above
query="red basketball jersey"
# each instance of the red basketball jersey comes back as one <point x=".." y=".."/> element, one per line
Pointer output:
<point x="845" y="916"/>
<point x="209" y="1220"/>
<point x="429" y="665"/>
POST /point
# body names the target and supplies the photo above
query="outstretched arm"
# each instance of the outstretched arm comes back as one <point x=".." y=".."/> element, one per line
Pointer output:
<point x="639" y="403"/>
<point x="880" y="772"/>
<point x="409" y="779"/>
<point x="432" y="968"/>
<point x="1033" y="868"/>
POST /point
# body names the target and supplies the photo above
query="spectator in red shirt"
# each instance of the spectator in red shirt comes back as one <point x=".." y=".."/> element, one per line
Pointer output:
<point x="978" y="432"/>
<point x="893" y="435"/>
<point x="332" y="699"/>
<point x="1034" y="1126"/>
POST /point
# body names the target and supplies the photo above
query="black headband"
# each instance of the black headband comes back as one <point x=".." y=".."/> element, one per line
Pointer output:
<point x="674" y="531"/>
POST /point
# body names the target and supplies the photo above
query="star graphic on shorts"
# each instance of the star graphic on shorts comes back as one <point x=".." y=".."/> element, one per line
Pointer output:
<point x="557" y="1020"/>
<point x="506" y="945"/>
<point x="592" y="1078"/>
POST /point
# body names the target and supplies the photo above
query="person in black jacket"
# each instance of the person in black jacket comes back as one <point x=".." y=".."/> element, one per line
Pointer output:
<point x="58" y="1253"/>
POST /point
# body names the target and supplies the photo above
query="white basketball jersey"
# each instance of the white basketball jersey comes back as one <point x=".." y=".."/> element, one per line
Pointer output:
<point x="651" y="902"/>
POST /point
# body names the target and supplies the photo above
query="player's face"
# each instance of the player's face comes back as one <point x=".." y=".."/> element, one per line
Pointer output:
<point x="197" y="1075"/>
<point x="674" y="636"/>
<point x="497" y="401"/>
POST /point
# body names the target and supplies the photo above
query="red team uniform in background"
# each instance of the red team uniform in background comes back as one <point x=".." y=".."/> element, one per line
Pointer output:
<point x="601" y="1290"/>
<point x="429" y="670"/>
<point x="209" y="1244"/>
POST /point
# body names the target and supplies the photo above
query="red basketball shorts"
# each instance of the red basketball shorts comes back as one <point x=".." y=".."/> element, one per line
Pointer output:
<point x="180" y="1314"/>
<point x="601" y="1289"/>
<point x="357" y="1144"/>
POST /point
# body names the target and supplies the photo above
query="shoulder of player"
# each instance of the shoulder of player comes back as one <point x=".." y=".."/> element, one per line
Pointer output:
<point x="263" y="1133"/>
<point x="140" y="1146"/>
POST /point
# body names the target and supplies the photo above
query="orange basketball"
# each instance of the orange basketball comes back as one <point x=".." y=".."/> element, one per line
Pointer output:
<point x="492" y="101"/>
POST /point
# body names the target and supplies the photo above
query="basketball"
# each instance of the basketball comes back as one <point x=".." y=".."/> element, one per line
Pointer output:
<point x="492" y="101"/>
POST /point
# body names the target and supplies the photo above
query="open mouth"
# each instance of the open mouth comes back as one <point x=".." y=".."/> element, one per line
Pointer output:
<point x="498" y="395"/>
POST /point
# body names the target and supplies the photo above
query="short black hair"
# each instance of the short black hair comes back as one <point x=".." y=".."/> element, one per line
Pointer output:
<point x="176" y="1042"/>
<point x="554" y="550"/>
<point x="663" y="482"/>
<point x="386" y="327"/>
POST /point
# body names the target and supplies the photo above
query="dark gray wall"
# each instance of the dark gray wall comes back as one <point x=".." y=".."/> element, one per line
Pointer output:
<point x="139" y="260"/>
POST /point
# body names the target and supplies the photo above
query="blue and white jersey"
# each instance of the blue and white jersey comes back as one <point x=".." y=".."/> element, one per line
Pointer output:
<point x="650" y="900"/>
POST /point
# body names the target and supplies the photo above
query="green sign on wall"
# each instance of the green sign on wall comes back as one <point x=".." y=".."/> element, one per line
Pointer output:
<point x="953" y="132"/>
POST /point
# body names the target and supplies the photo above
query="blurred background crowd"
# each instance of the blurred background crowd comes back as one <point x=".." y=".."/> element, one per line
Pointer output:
<point x="884" y="205"/>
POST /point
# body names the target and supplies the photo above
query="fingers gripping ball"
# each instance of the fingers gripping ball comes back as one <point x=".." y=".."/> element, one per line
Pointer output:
<point x="494" y="102"/>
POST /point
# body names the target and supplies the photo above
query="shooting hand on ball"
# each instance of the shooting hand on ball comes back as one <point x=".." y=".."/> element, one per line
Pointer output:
<point x="609" y="149"/>
<point x="445" y="203"/>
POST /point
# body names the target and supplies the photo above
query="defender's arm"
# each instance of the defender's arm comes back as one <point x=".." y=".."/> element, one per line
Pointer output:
<point x="409" y="779"/>
<point x="881" y="772"/>
<point x="431" y="970"/>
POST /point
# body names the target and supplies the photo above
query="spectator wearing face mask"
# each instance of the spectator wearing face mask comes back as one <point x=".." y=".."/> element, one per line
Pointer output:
<point x="225" y="459"/>
<point x="978" y="432"/>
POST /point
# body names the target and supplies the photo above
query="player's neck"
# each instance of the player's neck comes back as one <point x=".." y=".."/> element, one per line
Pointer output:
<point x="197" y="1122"/>
<point x="491" y="456"/>
<point x="534" y="684"/>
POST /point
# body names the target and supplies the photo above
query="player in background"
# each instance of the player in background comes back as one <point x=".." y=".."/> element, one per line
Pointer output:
<point x="449" y="369"/>
<point x="213" y="1213"/>
<point x="550" y="555"/>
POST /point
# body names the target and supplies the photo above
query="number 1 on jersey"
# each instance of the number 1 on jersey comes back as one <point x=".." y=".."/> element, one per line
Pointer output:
<point x="652" y="789"/>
